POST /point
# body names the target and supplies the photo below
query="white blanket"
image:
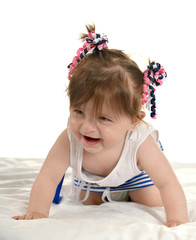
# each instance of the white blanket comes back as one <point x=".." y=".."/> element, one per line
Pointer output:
<point x="73" y="221"/>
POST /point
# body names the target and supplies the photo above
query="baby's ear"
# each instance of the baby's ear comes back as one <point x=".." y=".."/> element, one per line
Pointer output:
<point x="135" y="121"/>
<point x="142" y="114"/>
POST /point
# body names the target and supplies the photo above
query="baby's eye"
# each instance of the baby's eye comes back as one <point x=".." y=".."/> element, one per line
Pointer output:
<point x="78" y="111"/>
<point x="105" y="119"/>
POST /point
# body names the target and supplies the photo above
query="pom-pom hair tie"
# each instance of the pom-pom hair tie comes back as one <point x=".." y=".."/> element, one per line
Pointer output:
<point x="93" y="42"/>
<point x="154" y="76"/>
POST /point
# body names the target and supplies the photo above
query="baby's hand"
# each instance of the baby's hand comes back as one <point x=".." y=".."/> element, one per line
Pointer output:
<point x="173" y="224"/>
<point x="29" y="216"/>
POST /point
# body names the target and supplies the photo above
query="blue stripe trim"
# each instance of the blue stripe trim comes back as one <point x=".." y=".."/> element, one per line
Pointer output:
<point x="130" y="181"/>
<point x="140" y="181"/>
<point x="93" y="189"/>
<point x="161" y="146"/>
<point x="126" y="184"/>
<point x="118" y="187"/>
<point x="131" y="188"/>
<point x="138" y="185"/>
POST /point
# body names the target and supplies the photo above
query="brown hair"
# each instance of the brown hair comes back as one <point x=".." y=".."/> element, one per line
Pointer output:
<point x="108" y="76"/>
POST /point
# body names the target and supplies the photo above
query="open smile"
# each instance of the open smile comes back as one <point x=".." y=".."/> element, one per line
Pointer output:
<point x="91" y="141"/>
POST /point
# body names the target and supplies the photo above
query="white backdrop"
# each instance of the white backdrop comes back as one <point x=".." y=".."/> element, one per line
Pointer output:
<point x="38" y="39"/>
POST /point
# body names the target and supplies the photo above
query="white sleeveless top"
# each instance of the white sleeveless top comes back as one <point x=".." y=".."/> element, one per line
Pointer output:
<point x="126" y="167"/>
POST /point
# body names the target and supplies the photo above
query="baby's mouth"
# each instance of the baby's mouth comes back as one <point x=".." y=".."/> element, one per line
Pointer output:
<point x="91" y="141"/>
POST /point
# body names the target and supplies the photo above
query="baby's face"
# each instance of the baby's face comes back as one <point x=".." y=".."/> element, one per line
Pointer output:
<point x="98" y="133"/>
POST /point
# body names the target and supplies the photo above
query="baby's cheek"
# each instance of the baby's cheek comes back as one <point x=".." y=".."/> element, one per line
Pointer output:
<point x="73" y="127"/>
<point x="72" y="123"/>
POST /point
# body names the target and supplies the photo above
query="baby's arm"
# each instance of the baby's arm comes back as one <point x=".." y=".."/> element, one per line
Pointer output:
<point x="50" y="175"/>
<point x="153" y="161"/>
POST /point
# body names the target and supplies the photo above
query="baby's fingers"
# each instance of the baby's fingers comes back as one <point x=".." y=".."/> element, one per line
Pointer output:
<point x="173" y="224"/>
<point x="19" y="217"/>
<point x="29" y="216"/>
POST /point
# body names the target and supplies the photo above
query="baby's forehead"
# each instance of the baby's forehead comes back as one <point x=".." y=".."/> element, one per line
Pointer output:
<point x="103" y="107"/>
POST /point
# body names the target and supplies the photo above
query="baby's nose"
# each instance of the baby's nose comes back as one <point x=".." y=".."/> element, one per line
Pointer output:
<point x="88" y="127"/>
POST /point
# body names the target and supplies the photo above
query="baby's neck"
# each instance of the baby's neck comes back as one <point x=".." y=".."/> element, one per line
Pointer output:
<point x="101" y="163"/>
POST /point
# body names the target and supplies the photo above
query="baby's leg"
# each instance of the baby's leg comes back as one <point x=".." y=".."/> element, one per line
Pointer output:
<point x="149" y="196"/>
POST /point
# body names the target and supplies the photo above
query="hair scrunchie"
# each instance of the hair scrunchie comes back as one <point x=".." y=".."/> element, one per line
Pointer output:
<point x="154" y="76"/>
<point x="93" y="42"/>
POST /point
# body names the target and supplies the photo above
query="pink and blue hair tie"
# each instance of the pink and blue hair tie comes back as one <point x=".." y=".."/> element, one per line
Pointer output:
<point x="93" y="42"/>
<point x="154" y="76"/>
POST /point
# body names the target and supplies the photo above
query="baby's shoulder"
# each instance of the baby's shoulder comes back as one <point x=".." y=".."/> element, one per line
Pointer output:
<point x="142" y="131"/>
